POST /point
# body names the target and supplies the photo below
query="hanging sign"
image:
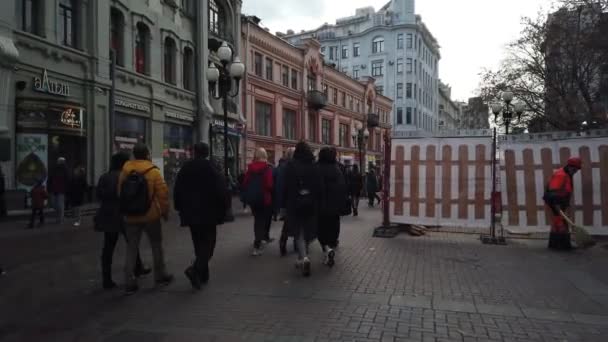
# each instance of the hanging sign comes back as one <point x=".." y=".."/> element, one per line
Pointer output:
<point x="71" y="119"/>
<point x="44" y="85"/>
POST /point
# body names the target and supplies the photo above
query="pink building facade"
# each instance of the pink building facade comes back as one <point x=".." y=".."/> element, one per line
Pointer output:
<point x="276" y="100"/>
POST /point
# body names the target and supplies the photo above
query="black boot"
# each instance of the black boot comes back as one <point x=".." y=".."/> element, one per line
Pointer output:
<point x="106" y="274"/>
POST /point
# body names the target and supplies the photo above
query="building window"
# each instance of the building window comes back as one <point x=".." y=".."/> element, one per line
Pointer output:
<point x="67" y="23"/>
<point x="408" y="116"/>
<point x="216" y="18"/>
<point x="344" y="51"/>
<point x="380" y="90"/>
<point x="399" y="90"/>
<point x="343" y="97"/>
<point x="408" y="90"/>
<point x="409" y="65"/>
<point x="377" y="68"/>
<point x="378" y="45"/>
<point x="312" y="83"/>
<point x="285" y="75"/>
<point x="30" y="16"/>
<point x="335" y="95"/>
<point x="356" y="49"/>
<point x="117" y="26"/>
<point x="378" y="141"/>
<point x="415" y="90"/>
<point x="399" y="65"/>
<point x="289" y="124"/>
<point x="269" y="69"/>
<point x="410" y="38"/>
<point x="325" y="90"/>
<point x="399" y="116"/>
<point x="263" y="118"/>
<point x="323" y="50"/>
<point x="169" y="60"/>
<point x="312" y="127"/>
<point x="188" y="69"/>
<point x="326" y="132"/>
<point x="294" y="79"/>
<point x="188" y="7"/>
<point x="350" y="102"/>
<point x="358" y="106"/>
<point x="343" y="135"/>
<point x="355" y="72"/>
<point x="142" y="51"/>
<point x="400" y="41"/>
<point x="257" y="64"/>
<point x="333" y="53"/>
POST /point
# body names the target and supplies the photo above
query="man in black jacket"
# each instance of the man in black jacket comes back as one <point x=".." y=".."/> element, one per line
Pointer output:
<point x="200" y="198"/>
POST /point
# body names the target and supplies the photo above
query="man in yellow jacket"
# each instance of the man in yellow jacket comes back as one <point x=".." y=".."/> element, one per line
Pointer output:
<point x="155" y="195"/>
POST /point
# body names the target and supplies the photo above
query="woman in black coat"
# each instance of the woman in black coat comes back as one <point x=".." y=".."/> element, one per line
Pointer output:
<point x="110" y="221"/>
<point x="302" y="197"/>
<point x="333" y="202"/>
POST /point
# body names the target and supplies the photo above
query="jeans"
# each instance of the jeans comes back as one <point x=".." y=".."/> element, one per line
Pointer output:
<point x="261" y="224"/>
<point x="134" y="233"/>
<point x="58" y="201"/>
<point x="40" y="213"/>
<point x="204" y="238"/>
<point x="109" y="245"/>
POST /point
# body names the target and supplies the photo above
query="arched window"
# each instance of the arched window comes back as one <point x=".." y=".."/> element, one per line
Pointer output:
<point x="188" y="69"/>
<point x="68" y="16"/>
<point x="142" y="41"/>
<point x="169" y="60"/>
<point x="378" y="45"/>
<point x="117" y="29"/>
<point x="217" y="18"/>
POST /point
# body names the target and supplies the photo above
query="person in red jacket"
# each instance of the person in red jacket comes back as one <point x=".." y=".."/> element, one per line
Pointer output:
<point x="557" y="197"/>
<point x="258" y="185"/>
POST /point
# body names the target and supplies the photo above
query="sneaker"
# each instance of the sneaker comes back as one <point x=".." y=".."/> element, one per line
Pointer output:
<point x="256" y="252"/>
<point x="164" y="281"/>
<point x="325" y="259"/>
<point x="76" y="224"/>
<point x="142" y="272"/>
<point x="331" y="256"/>
<point x="131" y="289"/>
<point x="306" y="267"/>
<point x="193" y="277"/>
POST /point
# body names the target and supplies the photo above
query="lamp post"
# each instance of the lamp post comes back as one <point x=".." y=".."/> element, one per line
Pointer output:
<point x="231" y="71"/>
<point x="507" y="109"/>
<point x="360" y="137"/>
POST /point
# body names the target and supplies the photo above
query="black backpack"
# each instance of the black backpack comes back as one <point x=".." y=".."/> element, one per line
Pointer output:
<point x="134" y="194"/>
<point x="254" y="193"/>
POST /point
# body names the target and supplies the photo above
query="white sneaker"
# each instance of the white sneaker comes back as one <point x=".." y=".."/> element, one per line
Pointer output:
<point x="256" y="252"/>
<point x="331" y="256"/>
<point x="76" y="224"/>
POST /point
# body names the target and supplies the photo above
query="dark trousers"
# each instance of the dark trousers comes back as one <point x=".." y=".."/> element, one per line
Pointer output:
<point x="261" y="224"/>
<point x="329" y="230"/>
<point x="203" y="238"/>
<point x="109" y="245"/>
<point x="39" y="212"/>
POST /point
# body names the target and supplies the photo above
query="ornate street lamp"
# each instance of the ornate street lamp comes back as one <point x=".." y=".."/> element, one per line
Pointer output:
<point x="360" y="137"/>
<point x="229" y="74"/>
<point x="507" y="109"/>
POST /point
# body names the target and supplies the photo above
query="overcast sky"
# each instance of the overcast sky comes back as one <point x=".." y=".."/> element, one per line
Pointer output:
<point x="472" y="33"/>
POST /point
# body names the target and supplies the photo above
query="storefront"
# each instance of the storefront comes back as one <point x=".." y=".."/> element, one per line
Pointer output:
<point x="177" y="144"/>
<point x="130" y="124"/>
<point x="47" y="130"/>
<point x="217" y="144"/>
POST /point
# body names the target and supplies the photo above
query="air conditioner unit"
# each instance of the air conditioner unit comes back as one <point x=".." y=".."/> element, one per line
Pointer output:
<point x="391" y="62"/>
<point x="363" y="66"/>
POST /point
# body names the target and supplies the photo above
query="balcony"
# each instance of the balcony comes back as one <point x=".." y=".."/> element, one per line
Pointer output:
<point x="373" y="120"/>
<point x="316" y="100"/>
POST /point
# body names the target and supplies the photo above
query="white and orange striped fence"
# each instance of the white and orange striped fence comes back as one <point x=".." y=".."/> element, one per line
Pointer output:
<point x="528" y="161"/>
<point x="443" y="180"/>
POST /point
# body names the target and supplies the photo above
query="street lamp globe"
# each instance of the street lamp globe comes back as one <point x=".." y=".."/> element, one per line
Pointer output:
<point x="366" y="133"/>
<point x="519" y="107"/>
<point x="224" y="53"/>
<point x="507" y="96"/>
<point x="237" y="69"/>
<point x="213" y="73"/>
<point x="496" y="108"/>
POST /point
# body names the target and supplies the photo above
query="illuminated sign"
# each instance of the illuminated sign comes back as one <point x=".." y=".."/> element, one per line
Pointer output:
<point x="71" y="119"/>
<point x="44" y="85"/>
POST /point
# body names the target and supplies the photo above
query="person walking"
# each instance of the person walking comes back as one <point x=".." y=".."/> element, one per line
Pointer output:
<point x="38" y="195"/>
<point x="279" y="200"/>
<point x="557" y="196"/>
<point x="258" y="195"/>
<point x="200" y="198"/>
<point x="111" y="222"/>
<point x="144" y="200"/>
<point x="355" y="187"/>
<point x="371" y="185"/>
<point x="333" y="202"/>
<point x="78" y="188"/>
<point x="301" y="200"/>
<point x="57" y="185"/>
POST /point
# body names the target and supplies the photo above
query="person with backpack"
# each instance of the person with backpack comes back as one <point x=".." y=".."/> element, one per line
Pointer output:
<point x="355" y="187"/>
<point x="144" y="200"/>
<point x="301" y="199"/>
<point x="333" y="202"/>
<point x="110" y="221"/>
<point x="200" y="198"/>
<point x="38" y="195"/>
<point x="258" y="186"/>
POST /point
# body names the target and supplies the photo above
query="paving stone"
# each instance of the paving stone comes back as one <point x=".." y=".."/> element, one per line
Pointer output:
<point x="450" y="305"/>
<point x="548" y="315"/>
<point x="411" y="301"/>
<point x="499" y="310"/>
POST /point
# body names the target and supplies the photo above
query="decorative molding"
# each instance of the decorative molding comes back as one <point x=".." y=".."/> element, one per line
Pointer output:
<point x="56" y="54"/>
<point x="134" y="80"/>
<point x="179" y="95"/>
<point x="268" y="46"/>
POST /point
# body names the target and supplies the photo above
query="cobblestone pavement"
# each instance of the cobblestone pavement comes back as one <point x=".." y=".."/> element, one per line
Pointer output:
<point x="441" y="287"/>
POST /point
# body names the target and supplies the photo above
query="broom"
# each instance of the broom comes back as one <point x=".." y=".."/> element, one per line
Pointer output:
<point x="581" y="236"/>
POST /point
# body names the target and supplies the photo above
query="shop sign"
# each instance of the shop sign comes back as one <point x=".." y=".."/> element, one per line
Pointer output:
<point x="44" y="85"/>
<point x="71" y="119"/>
<point x="178" y="116"/>
<point x="132" y="105"/>
<point x="220" y="123"/>
<point x="32" y="151"/>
